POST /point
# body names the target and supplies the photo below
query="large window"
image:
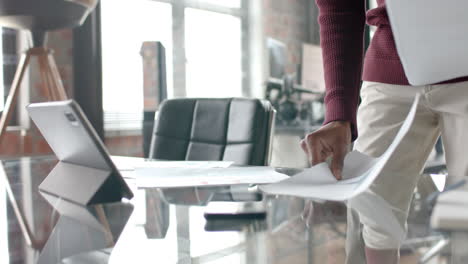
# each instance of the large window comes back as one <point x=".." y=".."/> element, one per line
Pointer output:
<point x="12" y="42"/>
<point x="225" y="3"/>
<point x="125" y="26"/>
<point x="214" y="52"/>
<point x="204" y="46"/>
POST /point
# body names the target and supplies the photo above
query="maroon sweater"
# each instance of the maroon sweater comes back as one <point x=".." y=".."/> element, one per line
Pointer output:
<point x="342" y="25"/>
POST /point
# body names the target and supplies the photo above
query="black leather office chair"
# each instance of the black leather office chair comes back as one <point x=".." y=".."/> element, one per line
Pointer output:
<point x="230" y="129"/>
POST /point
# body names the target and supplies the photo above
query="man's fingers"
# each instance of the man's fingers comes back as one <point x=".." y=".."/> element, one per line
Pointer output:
<point x="337" y="163"/>
<point x="315" y="149"/>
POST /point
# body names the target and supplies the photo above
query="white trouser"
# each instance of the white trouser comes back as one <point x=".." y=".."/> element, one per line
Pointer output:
<point x="443" y="109"/>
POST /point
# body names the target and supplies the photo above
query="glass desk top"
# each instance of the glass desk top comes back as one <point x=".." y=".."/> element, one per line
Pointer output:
<point x="169" y="226"/>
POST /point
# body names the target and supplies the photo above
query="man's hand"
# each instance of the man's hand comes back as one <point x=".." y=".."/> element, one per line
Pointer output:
<point x="332" y="140"/>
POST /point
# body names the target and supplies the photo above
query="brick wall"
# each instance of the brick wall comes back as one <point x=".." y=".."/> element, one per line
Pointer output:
<point x="291" y="22"/>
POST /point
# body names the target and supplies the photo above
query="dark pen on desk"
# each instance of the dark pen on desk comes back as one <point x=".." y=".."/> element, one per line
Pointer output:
<point x="239" y="193"/>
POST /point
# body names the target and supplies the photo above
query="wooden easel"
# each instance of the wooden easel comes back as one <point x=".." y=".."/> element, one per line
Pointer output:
<point x="49" y="75"/>
<point x="54" y="91"/>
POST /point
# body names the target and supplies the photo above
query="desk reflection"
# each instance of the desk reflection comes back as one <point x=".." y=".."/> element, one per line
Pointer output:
<point x="84" y="232"/>
<point x="168" y="226"/>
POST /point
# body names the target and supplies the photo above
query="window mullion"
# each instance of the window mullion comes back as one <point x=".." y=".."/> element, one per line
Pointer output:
<point x="245" y="45"/>
<point x="198" y="4"/>
<point x="213" y="8"/>
<point x="178" y="49"/>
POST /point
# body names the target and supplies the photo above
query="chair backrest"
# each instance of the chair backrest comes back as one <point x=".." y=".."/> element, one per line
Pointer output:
<point x="230" y="129"/>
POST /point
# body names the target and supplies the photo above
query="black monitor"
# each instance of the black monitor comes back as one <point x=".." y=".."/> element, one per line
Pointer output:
<point x="277" y="56"/>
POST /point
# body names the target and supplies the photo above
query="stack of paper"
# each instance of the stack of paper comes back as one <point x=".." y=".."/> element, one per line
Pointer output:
<point x="359" y="172"/>
<point x="187" y="177"/>
<point x="131" y="163"/>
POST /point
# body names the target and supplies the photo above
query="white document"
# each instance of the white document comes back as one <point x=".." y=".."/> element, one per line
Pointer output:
<point x="189" y="177"/>
<point x="359" y="172"/>
<point x="185" y="164"/>
<point x="131" y="163"/>
<point x="127" y="163"/>
<point x="431" y="39"/>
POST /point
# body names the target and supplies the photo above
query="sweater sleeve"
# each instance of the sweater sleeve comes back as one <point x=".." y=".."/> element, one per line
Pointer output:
<point x="342" y="24"/>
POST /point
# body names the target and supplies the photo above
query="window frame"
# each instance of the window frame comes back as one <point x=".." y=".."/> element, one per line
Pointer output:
<point x="178" y="49"/>
<point x="14" y="45"/>
<point x="178" y="35"/>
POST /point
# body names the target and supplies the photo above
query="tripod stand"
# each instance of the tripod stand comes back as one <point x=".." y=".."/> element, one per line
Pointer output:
<point x="54" y="91"/>
<point x="49" y="75"/>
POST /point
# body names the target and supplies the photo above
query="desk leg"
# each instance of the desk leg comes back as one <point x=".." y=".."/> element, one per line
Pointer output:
<point x="459" y="250"/>
<point x="310" y="245"/>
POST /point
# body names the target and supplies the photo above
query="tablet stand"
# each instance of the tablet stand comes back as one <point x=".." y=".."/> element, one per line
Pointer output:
<point x="82" y="185"/>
